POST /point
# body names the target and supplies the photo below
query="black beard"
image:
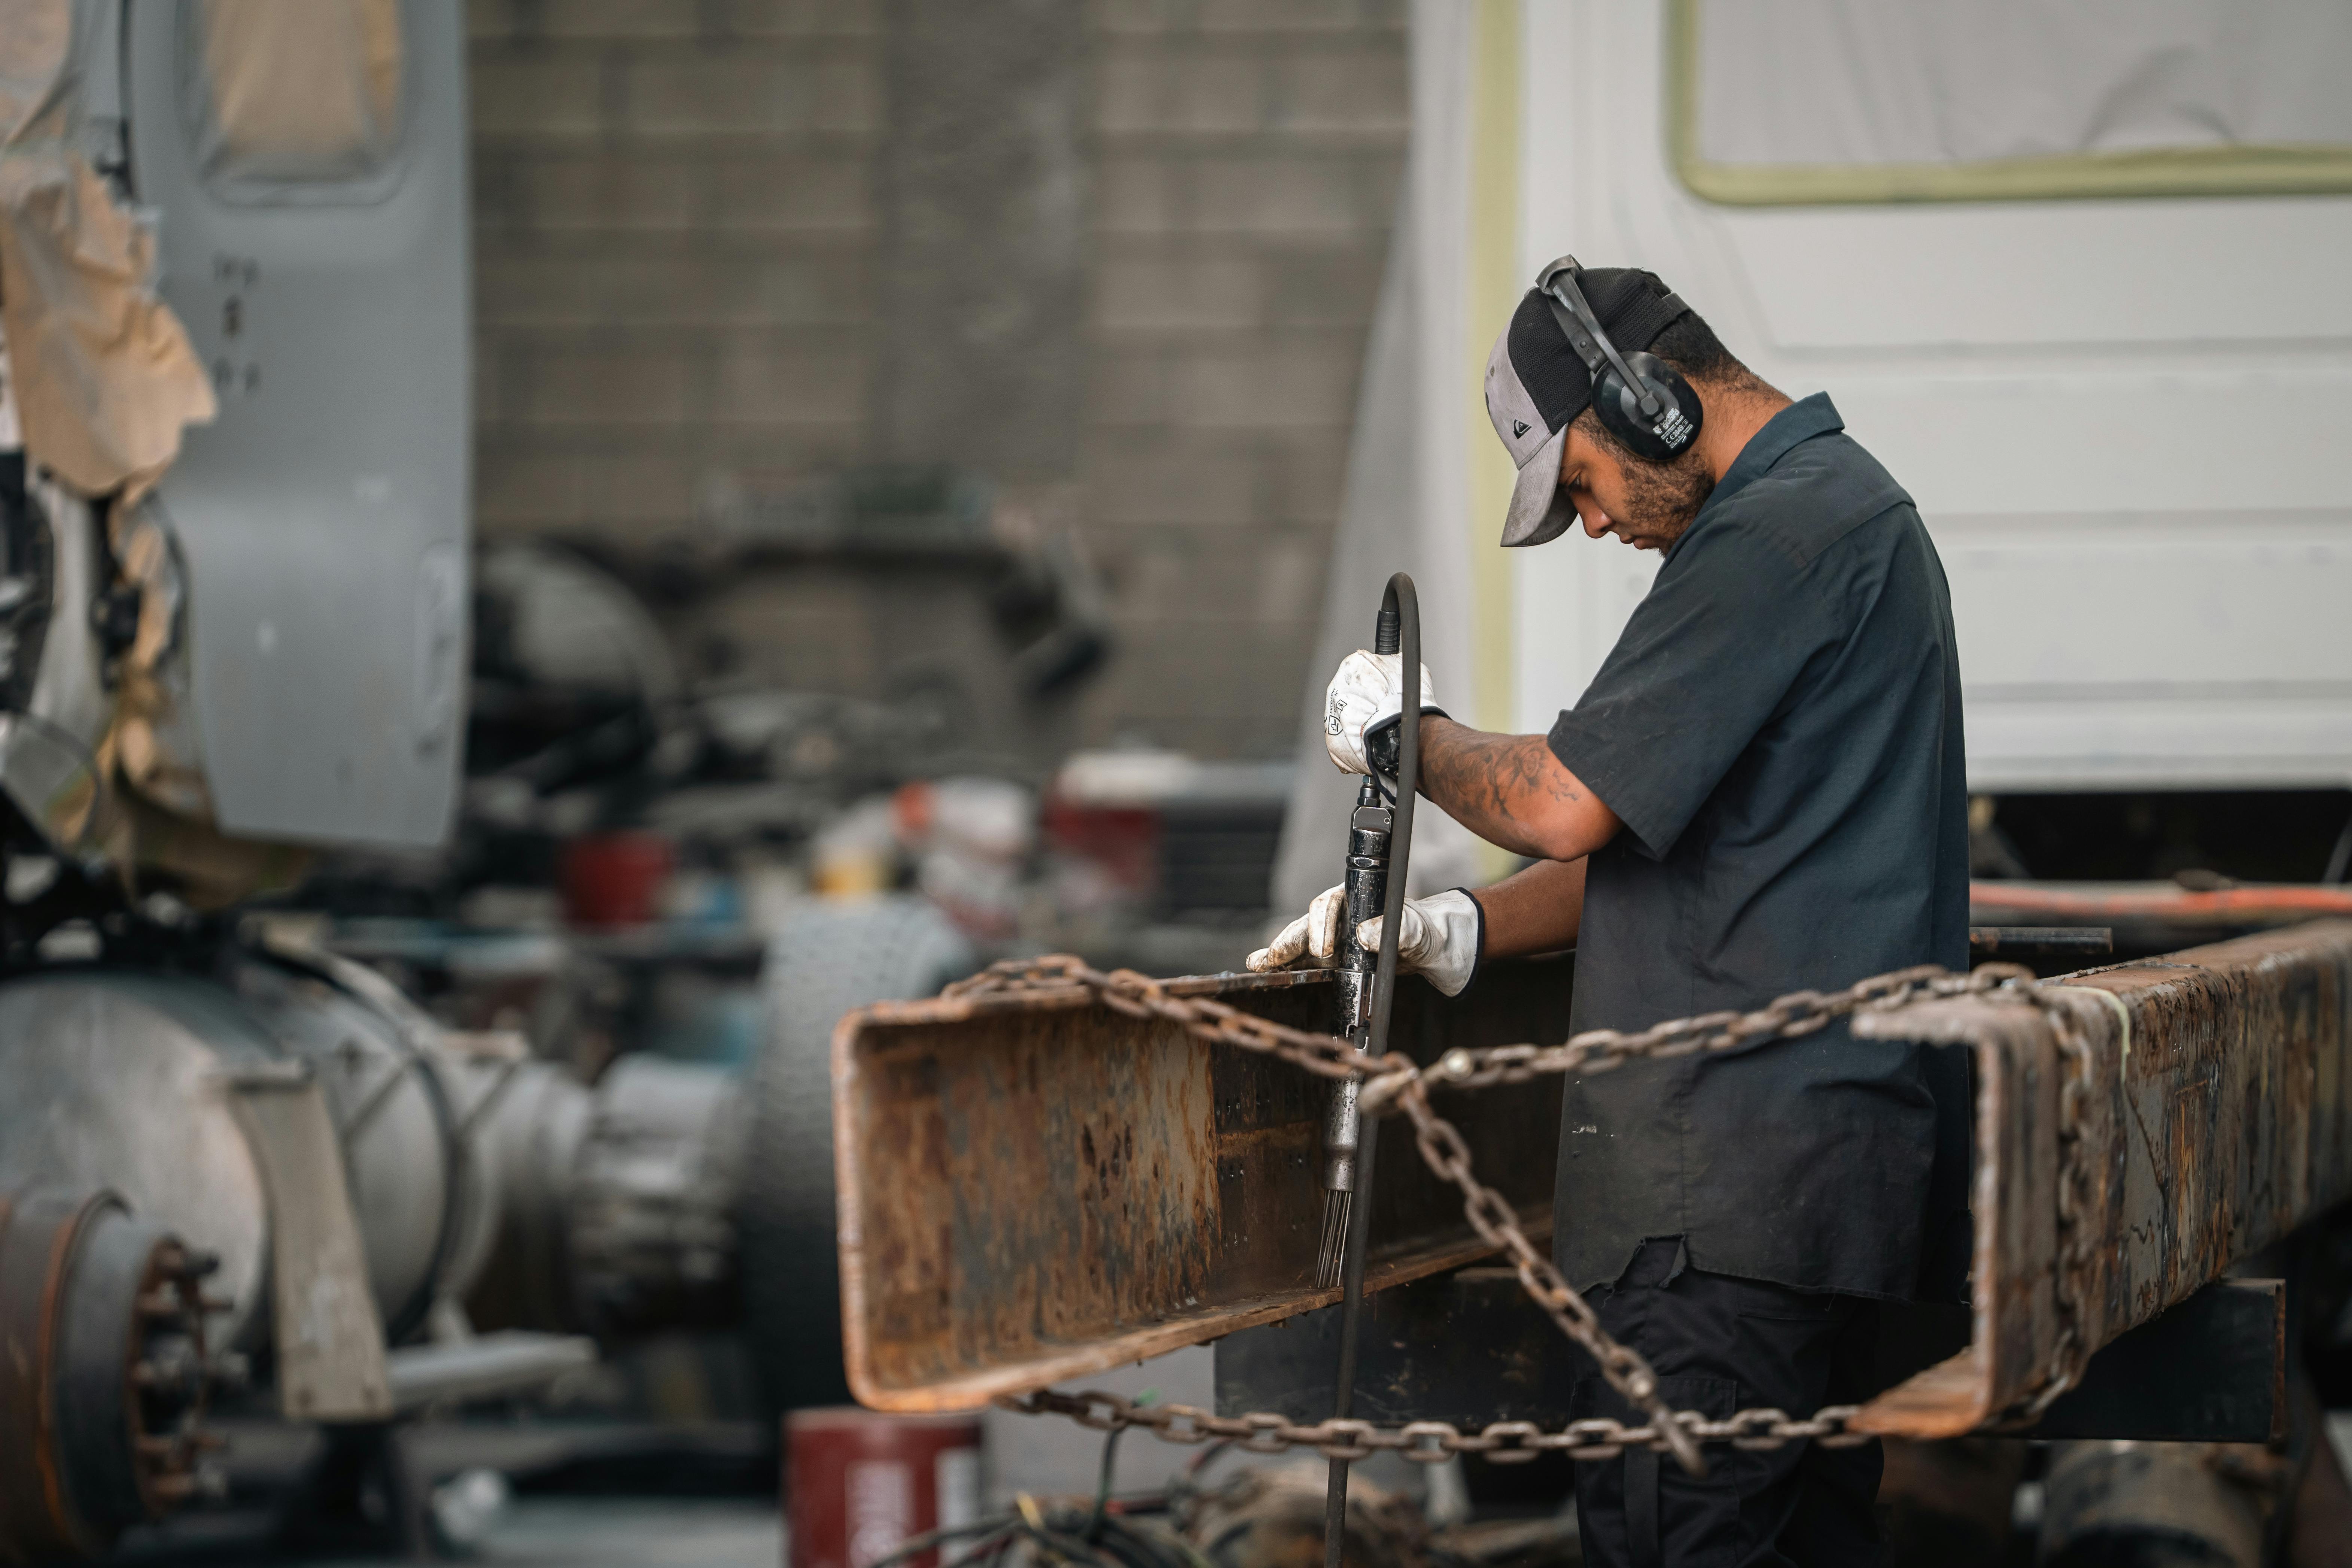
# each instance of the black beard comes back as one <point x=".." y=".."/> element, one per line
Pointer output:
<point x="1661" y="499"/>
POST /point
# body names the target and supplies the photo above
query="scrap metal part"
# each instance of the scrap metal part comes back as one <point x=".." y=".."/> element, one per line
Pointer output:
<point x="1033" y="1187"/>
<point x="2219" y="1117"/>
<point x="103" y="1373"/>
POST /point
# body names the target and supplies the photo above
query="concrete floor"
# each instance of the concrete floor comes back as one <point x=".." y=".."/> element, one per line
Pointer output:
<point x="608" y="1495"/>
<point x="542" y="1532"/>
<point x="593" y="1532"/>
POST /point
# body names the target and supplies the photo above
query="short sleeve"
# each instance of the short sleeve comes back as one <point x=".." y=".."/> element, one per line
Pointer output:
<point x="1705" y="662"/>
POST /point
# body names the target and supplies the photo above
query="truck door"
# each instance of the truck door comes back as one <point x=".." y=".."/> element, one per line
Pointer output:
<point x="308" y="159"/>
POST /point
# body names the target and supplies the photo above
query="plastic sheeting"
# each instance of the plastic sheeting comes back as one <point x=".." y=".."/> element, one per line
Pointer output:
<point x="281" y="92"/>
<point x="1916" y="81"/>
<point x="104" y="377"/>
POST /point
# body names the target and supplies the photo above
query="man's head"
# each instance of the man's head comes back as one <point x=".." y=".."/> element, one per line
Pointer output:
<point x="1573" y="467"/>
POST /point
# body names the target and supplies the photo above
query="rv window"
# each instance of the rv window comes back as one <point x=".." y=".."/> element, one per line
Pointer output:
<point x="1831" y="101"/>
<point x="293" y="98"/>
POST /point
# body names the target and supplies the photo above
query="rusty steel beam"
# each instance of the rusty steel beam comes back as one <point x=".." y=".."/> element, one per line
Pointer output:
<point x="1033" y="1187"/>
<point x="2219" y="1119"/>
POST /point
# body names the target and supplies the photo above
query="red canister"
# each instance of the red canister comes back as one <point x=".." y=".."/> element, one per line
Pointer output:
<point x="859" y="1485"/>
<point x="615" y="879"/>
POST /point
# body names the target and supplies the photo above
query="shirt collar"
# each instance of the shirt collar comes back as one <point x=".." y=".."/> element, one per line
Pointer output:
<point x="1800" y="422"/>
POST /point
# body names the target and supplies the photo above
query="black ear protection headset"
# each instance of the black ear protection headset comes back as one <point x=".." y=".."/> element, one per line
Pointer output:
<point x="1642" y="399"/>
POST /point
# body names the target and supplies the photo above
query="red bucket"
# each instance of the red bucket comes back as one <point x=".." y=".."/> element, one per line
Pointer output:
<point x="859" y="1485"/>
<point x="615" y="879"/>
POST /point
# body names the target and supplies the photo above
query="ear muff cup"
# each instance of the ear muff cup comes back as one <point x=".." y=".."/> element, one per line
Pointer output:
<point x="1620" y="408"/>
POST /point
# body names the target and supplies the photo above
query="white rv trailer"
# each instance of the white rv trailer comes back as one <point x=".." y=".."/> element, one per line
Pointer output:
<point x="2076" y="274"/>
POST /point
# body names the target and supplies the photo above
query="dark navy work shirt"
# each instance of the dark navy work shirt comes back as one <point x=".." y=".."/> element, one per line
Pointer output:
<point x="1779" y="729"/>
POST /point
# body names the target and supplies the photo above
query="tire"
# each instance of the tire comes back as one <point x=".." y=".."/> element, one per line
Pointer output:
<point x="827" y="960"/>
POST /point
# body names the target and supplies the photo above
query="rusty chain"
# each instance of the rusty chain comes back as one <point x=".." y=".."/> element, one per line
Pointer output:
<point x="1395" y="1081"/>
<point x="2072" y="1286"/>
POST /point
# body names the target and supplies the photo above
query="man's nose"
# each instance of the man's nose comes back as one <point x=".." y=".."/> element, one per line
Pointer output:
<point x="1596" y="521"/>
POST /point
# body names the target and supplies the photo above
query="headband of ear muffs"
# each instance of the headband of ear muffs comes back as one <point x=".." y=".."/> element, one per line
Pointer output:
<point x="1640" y="399"/>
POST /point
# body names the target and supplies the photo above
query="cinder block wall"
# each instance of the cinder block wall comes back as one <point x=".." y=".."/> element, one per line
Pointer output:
<point x="682" y="220"/>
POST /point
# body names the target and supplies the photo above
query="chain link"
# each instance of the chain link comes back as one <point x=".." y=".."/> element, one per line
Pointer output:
<point x="2071" y="1284"/>
<point x="1435" y="1442"/>
<point x="1395" y="1081"/>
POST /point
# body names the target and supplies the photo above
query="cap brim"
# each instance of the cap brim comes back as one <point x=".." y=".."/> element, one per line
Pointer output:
<point x="1540" y="510"/>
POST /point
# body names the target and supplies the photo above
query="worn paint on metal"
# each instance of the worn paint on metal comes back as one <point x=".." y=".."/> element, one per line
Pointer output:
<point x="1034" y="1185"/>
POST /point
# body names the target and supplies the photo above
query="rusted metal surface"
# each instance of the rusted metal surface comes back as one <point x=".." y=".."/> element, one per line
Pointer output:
<point x="990" y="1243"/>
<point x="2074" y="943"/>
<point x="2158" y="905"/>
<point x="2220" y="1118"/>
<point x="1032" y="1185"/>
<point x="103" y="1378"/>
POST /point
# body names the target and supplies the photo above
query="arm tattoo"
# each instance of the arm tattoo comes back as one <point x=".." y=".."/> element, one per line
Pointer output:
<point x="1506" y="779"/>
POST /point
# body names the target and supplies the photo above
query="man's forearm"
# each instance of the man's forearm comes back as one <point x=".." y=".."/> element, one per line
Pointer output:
<point x="1510" y="790"/>
<point x="1539" y="910"/>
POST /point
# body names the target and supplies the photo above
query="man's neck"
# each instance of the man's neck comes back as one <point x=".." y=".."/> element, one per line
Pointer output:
<point x="1735" y="412"/>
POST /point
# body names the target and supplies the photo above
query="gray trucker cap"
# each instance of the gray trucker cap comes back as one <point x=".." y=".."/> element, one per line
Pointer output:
<point x="1535" y="384"/>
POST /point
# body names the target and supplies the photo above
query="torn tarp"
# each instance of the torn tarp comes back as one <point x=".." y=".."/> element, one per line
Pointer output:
<point x="105" y="379"/>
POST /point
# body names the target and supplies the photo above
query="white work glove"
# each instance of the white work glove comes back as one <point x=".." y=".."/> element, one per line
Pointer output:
<point x="1439" y="939"/>
<point x="1368" y="691"/>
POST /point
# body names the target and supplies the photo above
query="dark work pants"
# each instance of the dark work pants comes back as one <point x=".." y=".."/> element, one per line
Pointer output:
<point x="1720" y="1344"/>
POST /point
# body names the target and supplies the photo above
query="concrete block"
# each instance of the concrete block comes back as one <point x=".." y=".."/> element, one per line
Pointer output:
<point x="1286" y="590"/>
<point x="795" y="18"/>
<point x="615" y="385"/>
<point x="642" y="485"/>
<point x="779" y="452"/>
<point x="849" y="95"/>
<point x="595" y="289"/>
<point x="1329" y="284"/>
<point x="636" y="190"/>
<point x="1127" y="384"/>
<point x="1307" y="475"/>
<point x="489" y="21"/>
<point x="1147" y="479"/>
<point x="1197" y="587"/>
<point x="1192" y="290"/>
<point x="1176" y="672"/>
<point x="514" y="93"/>
<point x="639" y="20"/>
<point x="487" y="383"/>
<point x="751" y="93"/>
<point x="1301" y="15"/>
<point x="497" y="205"/>
<point x="1358" y="92"/>
<point x="517" y="486"/>
<point x="1244" y="16"/>
<point x="1155" y="91"/>
<point x="761" y="380"/>
<point x="1303" y="379"/>
<point x="618" y="19"/>
<point x="830" y="192"/>
<point x="983" y="181"/>
<point x="1300" y="194"/>
<point x="799" y="629"/>
<point x="1150" y="193"/>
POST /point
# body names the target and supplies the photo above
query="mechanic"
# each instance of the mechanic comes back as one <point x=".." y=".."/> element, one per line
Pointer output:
<point x="1762" y="791"/>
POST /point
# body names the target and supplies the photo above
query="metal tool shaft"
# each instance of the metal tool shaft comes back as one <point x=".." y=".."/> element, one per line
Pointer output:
<point x="1399" y="631"/>
<point x="1369" y="833"/>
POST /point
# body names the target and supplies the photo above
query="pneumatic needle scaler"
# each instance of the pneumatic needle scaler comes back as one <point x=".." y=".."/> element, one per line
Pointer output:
<point x="1370" y="828"/>
<point x="1377" y="834"/>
